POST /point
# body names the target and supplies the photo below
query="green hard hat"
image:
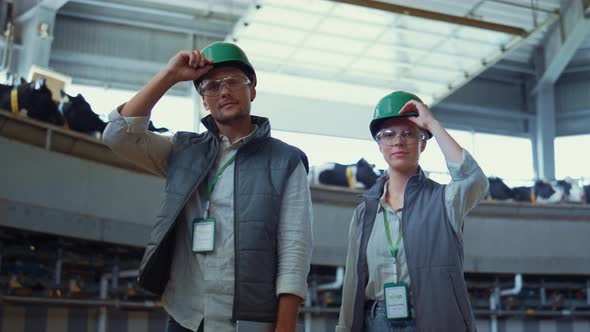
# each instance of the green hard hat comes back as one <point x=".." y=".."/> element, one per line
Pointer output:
<point x="223" y="53"/>
<point x="389" y="107"/>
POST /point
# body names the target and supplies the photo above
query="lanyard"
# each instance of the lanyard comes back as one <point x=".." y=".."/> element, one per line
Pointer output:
<point x="213" y="182"/>
<point x="393" y="250"/>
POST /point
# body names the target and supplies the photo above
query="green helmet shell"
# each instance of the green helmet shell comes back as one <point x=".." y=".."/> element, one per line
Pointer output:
<point x="389" y="107"/>
<point x="224" y="53"/>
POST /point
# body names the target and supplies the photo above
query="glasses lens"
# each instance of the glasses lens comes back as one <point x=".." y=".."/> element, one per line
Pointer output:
<point x="388" y="136"/>
<point x="209" y="88"/>
<point x="213" y="88"/>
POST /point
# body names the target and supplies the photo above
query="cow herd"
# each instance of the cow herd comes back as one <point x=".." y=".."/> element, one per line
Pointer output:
<point x="34" y="100"/>
<point x="362" y="175"/>
<point x="567" y="190"/>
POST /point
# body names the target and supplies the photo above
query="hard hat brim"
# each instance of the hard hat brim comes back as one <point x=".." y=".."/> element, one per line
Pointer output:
<point x="375" y="124"/>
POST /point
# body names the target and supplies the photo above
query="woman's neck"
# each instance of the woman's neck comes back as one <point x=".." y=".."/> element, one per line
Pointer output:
<point x="396" y="187"/>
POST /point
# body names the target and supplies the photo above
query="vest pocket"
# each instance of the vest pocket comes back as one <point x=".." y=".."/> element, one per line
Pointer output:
<point x="461" y="297"/>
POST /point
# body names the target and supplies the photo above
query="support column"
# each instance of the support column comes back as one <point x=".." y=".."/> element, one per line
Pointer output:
<point x="531" y="124"/>
<point x="37" y="36"/>
<point x="545" y="132"/>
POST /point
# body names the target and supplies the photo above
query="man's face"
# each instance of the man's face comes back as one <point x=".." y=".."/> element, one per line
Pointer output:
<point x="234" y="96"/>
<point x="402" y="147"/>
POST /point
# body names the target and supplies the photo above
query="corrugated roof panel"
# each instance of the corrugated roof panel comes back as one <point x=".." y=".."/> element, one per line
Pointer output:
<point x="329" y="38"/>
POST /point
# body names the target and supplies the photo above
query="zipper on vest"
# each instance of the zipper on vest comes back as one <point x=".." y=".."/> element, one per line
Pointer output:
<point x="236" y="250"/>
<point x="151" y="261"/>
<point x="404" y="239"/>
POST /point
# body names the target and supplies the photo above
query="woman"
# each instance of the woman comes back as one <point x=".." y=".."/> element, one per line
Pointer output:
<point x="404" y="268"/>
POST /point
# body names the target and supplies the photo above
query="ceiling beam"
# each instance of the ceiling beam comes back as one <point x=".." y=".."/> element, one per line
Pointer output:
<point x="514" y="66"/>
<point x="148" y="18"/>
<point x="436" y="16"/>
<point x="562" y="42"/>
<point x="181" y="26"/>
<point x="53" y="4"/>
<point x="24" y="13"/>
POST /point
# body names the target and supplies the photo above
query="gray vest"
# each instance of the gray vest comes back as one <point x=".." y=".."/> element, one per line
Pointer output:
<point x="434" y="256"/>
<point x="262" y="167"/>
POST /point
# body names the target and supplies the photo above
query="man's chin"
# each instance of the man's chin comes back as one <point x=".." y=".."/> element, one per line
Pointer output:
<point x="227" y="119"/>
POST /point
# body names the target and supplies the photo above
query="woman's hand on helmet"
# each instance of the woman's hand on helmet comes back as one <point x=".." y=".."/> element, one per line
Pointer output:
<point x="424" y="118"/>
<point x="188" y="66"/>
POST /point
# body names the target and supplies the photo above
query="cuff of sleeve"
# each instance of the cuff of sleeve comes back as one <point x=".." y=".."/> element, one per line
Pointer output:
<point x="135" y="124"/>
<point x="340" y="328"/>
<point x="292" y="285"/>
<point x="462" y="170"/>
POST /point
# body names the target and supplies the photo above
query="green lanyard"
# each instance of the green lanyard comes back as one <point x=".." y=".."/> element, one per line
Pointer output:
<point x="392" y="250"/>
<point x="213" y="182"/>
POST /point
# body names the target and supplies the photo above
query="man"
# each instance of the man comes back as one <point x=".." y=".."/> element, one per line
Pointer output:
<point x="232" y="239"/>
<point x="404" y="270"/>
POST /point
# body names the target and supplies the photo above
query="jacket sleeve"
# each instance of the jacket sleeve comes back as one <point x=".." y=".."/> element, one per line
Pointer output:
<point x="295" y="236"/>
<point x="350" y="277"/>
<point x="129" y="138"/>
<point x="468" y="186"/>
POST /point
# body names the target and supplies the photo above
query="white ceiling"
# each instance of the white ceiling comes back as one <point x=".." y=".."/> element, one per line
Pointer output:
<point x="336" y="42"/>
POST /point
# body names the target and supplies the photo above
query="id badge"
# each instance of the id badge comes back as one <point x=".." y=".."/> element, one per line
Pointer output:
<point x="203" y="234"/>
<point x="396" y="300"/>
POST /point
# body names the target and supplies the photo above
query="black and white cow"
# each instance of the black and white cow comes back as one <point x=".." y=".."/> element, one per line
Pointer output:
<point x="542" y="192"/>
<point x="80" y="116"/>
<point x="498" y="190"/>
<point x="360" y="175"/>
<point x="573" y="192"/>
<point x="33" y="100"/>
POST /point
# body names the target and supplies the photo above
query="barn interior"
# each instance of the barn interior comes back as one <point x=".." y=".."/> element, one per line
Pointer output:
<point x="509" y="78"/>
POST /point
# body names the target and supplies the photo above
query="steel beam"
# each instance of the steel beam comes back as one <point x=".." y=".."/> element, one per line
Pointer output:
<point x="563" y="42"/>
<point x="53" y="4"/>
<point x="430" y="15"/>
<point x="25" y="13"/>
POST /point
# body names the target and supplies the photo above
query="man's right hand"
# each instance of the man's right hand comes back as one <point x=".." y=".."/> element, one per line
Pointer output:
<point x="188" y="66"/>
<point x="184" y="66"/>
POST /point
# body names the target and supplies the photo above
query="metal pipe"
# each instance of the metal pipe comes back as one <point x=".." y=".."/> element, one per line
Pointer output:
<point x="543" y="293"/>
<point x="115" y="277"/>
<point x="307" y="314"/>
<point x="482" y="312"/>
<point x="514" y="290"/>
<point x="58" y="266"/>
<point x="436" y="16"/>
<point x="495" y="300"/>
<point x="337" y="283"/>
<point x="493" y="316"/>
<point x="125" y="274"/>
<point x="102" y="311"/>
<point x="74" y="302"/>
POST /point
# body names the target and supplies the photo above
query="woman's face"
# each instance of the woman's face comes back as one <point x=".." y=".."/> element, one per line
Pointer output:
<point x="401" y="143"/>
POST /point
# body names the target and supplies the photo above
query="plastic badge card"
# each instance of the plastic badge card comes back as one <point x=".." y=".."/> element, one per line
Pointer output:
<point x="396" y="300"/>
<point x="204" y="235"/>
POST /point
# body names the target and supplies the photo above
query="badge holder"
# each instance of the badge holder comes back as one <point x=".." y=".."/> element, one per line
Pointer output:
<point x="203" y="239"/>
<point x="203" y="235"/>
<point x="395" y="294"/>
<point x="397" y="306"/>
